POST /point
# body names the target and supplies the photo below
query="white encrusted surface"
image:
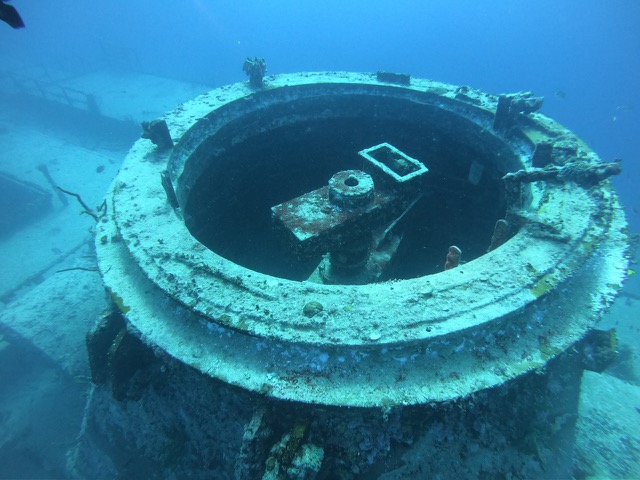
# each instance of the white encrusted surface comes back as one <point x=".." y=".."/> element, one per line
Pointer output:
<point x="431" y="338"/>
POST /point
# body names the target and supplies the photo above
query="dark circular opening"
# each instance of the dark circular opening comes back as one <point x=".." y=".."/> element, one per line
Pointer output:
<point x="228" y="207"/>
<point x="351" y="182"/>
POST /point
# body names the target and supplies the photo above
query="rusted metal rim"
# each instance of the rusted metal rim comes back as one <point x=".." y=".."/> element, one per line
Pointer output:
<point x="412" y="341"/>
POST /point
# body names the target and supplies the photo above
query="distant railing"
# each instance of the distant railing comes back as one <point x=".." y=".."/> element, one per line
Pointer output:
<point x="40" y="83"/>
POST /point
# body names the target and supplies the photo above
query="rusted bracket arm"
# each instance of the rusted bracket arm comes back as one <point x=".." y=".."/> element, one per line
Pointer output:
<point x="582" y="173"/>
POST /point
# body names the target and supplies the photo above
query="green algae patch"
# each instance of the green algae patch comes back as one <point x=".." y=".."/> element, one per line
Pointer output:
<point x="118" y="302"/>
<point x="549" y="351"/>
<point x="543" y="286"/>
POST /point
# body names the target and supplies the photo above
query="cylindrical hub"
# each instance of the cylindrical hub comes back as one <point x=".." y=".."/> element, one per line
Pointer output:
<point x="351" y="189"/>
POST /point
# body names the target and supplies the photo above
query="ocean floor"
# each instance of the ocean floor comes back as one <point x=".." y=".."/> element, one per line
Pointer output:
<point x="51" y="293"/>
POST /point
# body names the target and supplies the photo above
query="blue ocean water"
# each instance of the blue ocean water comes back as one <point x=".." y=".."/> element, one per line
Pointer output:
<point x="583" y="57"/>
<point x="586" y="50"/>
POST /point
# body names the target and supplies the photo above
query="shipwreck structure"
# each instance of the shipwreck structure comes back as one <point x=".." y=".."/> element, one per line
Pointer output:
<point x="281" y="304"/>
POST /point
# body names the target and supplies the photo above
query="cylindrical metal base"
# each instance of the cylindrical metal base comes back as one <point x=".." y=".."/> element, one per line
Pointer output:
<point x="217" y="367"/>
<point x="175" y="422"/>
